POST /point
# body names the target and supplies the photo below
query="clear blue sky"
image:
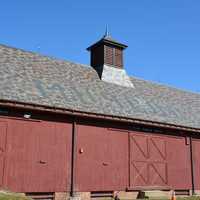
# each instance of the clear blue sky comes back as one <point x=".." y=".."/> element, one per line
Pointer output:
<point x="163" y="35"/>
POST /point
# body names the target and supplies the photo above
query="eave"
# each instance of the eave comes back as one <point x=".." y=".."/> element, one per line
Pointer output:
<point x="77" y="113"/>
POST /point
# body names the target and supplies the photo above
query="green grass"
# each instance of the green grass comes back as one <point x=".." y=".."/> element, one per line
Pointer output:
<point x="12" y="196"/>
<point x="189" y="198"/>
<point x="178" y="198"/>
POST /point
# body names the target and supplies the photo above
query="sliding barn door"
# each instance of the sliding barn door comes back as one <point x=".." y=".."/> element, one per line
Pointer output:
<point x="101" y="159"/>
<point x="38" y="156"/>
<point x="159" y="161"/>
<point x="148" y="164"/>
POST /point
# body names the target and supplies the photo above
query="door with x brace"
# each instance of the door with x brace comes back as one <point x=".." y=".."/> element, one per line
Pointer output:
<point x="148" y="161"/>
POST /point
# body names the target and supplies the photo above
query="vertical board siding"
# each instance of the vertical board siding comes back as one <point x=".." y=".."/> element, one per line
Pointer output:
<point x="162" y="161"/>
<point x="101" y="159"/>
<point x="35" y="156"/>
<point x="179" y="168"/>
<point x="97" y="56"/>
<point x="3" y="142"/>
<point x="148" y="161"/>
<point x="38" y="156"/>
<point x="196" y="162"/>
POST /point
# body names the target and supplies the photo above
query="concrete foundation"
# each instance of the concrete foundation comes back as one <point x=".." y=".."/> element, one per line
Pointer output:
<point x="154" y="194"/>
<point x="197" y="192"/>
<point x="62" y="195"/>
<point x="81" y="196"/>
<point x="126" y="195"/>
<point x="130" y="195"/>
<point x="102" y="198"/>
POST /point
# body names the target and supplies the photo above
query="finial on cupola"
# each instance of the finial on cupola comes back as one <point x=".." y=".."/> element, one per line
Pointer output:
<point x="107" y="34"/>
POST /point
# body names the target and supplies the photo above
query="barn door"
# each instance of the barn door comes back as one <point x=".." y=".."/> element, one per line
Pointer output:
<point x="101" y="159"/>
<point x="148" y="165"/>
<point x="3" y="128"/>
<point x="38" y="156"/>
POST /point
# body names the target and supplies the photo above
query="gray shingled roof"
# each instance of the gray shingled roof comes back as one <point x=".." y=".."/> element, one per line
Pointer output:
<point x="31" y="78"/>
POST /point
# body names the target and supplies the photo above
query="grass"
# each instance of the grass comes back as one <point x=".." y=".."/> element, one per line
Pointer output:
<point x="189" y="198"/>
<point x="12" y="196"/>
<point x="178" y="198"/>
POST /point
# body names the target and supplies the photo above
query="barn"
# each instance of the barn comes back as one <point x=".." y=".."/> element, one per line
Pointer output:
<point x="69" y="130"/>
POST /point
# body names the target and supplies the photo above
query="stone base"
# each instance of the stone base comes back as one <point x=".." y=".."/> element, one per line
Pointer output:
<point x="81" y="196"/>
<point x="197" y="192"/>
<point x="75" y="198"/>
<point x="154" y="194"/>
<point x="191" y="193"/>
<point x="102" y="198"/>
<point x="126" y="195"/>
<point x="130" y="195"/>
<point x="62" y="196"/>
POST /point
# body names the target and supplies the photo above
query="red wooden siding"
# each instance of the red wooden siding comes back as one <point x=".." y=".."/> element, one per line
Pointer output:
<point x="196" y="159"/>
<point x="3" y="137"/>
<point x="148" y="163"/>
<point x="162" y="161"/>
<point x="115" y="160"/>
<point x="38" y="156"/>
<point x="35" y="156"/>
<point x="101" y="159"/>
<point x="179" y="167"/>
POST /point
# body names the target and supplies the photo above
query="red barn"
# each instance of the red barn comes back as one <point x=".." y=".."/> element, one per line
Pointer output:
<point x="70" y="130"/>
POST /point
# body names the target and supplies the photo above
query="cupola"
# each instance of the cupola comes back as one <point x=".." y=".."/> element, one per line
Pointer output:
<point x="107" y="51"/>
<point x="107" y="59"/>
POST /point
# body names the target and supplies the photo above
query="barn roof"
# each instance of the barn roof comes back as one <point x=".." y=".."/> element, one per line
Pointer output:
<point x="31" y="78"/>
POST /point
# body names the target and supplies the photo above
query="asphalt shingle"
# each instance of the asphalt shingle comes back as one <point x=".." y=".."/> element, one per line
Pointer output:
<point x="31" y="78"/>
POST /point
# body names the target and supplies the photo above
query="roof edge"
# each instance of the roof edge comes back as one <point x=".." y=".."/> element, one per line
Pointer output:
<point x="37" y="107"/>
<point x="107" y="41"/>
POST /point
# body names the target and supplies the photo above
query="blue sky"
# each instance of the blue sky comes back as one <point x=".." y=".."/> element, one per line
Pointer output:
<point x="163" y="35"/>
